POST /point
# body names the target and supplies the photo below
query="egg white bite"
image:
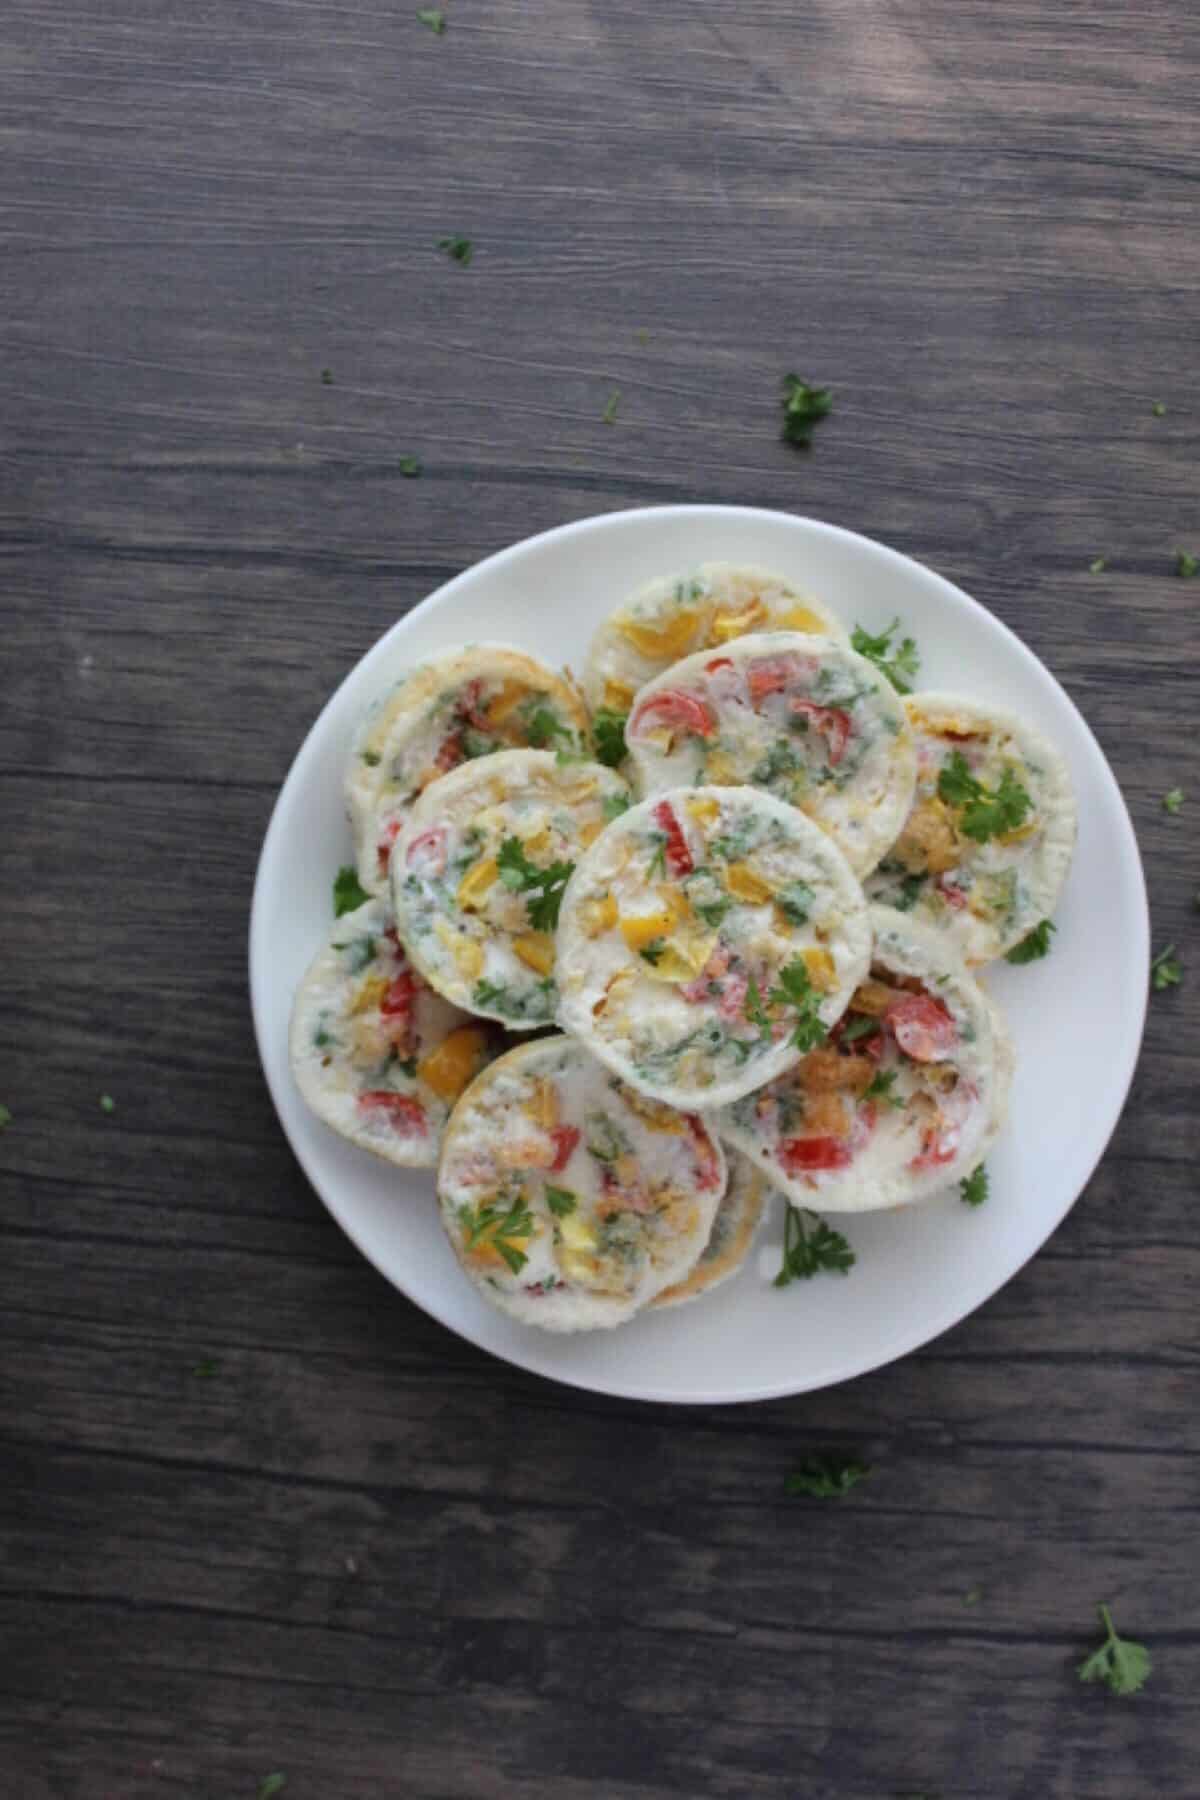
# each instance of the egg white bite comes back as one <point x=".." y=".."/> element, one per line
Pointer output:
<point x="468" y="703"/>
<point x="987" y="844"/>
<point x="705" y="937"/>
<point x="738" y="1218"/>
<point x="478" y="873"/>
<point x="677" y="614"/>
<point x="375" y="1052"/>
<point x="570" y="1200"/>
<point x="906" y="1096"/>
<point x="806" y="719"/>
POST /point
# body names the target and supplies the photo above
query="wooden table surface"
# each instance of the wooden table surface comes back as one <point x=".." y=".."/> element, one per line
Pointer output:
<point x="260" y="1514"/>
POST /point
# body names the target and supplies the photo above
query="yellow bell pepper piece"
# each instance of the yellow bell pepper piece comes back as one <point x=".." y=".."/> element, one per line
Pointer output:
<point x="801" y="619"/>
<point x="506" y="701"/>
<point x="618" y="696"/>
<point x="728" y="624"/>
<point x="536" y="951"/>
<point x="721" y="771"/>
<point x="474" y="886"/>
<point x="822" y="970"/>
<point x="598" y="915"/>
<point x="457" y="1058"/>
<point x="704" y="811"/>
<point x="744" y="884"/>
<point x="654" y="1113"/>
<point x="370" y="993"/>
<point x="590" y="832"/>
<point x="640" y="929"/>
<point x="577" y="1234"/>
<point x="467" y="954"/>
<point x="542" y="1106"/>
<point x="669" y="639"/>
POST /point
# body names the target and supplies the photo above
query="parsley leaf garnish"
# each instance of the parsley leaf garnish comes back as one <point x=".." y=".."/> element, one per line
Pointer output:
<point x="609" y="415"/>
<point x="107" y="1104"/>
<point x="1034" y="945"/>
<point x="542" y="724"/>
<point x="5" y="1118"/>
<point x="881" y="1088"/>
<point x="803" y="408"/>
<point x="458" y="249"/>
<point x="1120" y="1662"/>
<point x="1166" y="970"/>
<point x="542" y="888"/>
<point x="488" y="1223"/>
<point x="434" y="18"/>
<point x="1186" y="565"/>
<point x="910" y="893"/>
<point x="827" y="1477"/>
<point x="796" y="989"/>
<point x="652" y="952"/>
<point x="1159" y="410"/>
<point x="613" y="805"/>
<point x="271" y="1785"/>
<point x="372" y="758"/>
<point x="608" y="730"/>
<point x="902" y="668"/>
<point x="860" y="1027"/>
<point x="348" y="894"/>
<point x="795" y="902"/>
<point x="1173" y="801"/>
<point x="326" y="377"/>
<point x="205" y="1368"/>
<point x="974" y="1189"/>
<point x="1097" y="566"/>
<point x="987" y="812"/>
<point x="410" y="466"/>
<point x="561" y="1201"/>
<point x="809" y="1248"/>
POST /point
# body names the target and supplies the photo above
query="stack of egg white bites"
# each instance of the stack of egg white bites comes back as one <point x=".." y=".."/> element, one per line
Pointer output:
<point x="745" y="879"/>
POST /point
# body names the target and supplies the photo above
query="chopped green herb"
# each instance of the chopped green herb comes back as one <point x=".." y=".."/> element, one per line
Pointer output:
<point x="458" y="249"/>
<point x="613" y="805"/>
<point x="1097" y="566"/>
<point x="5" y="1118"/>
<point x="901" y="668"/>
<point x="542" y="888"/>
<point x="605" y="1141"/>
<point x="796" y="989"/>
<point x="1173" y="801"/>
<point x="803" y="409"/>
<point x="1166" y="970"/>
<point x="1119" y="1662"/>
<point x="407" y="1065"/>
<point x="107" y="1104"/>
<point x="434" y="18"/>
<point x="653" y="951"/>
<point x="795" y="902"/>
<point x="1159" y="410"/>
<point x="1034" y="945"/>
<point x="326" y="377"/>
<point x="1186" y="565"/>
<point x="348" y="894"/>
<point x="372" y="758"/>
<point x="410" y="466"/>
<point x="537" y="1005"/>
<point x="609" y="415"/>
<point x="272" y="1785"/>
<point x="973" y="1596"/>
<point x="910" y="893"/>
<point x="986" y="813"/>
<point x="658" y="862"/>
<point x="974" y="1188"/>
<point x="827" y="1477"/>
<point x="860" y="1028"/>
<point x="881" y="1086"/>
<point x="608" y="729"/>
<point x="809" y="1248"/>
<point x="542" y="724"/>
<point x="642" y="335"/>
<point x="561" y="1201"/>
<point x="205" y="1369"/>
<point x="488" y="1223"/>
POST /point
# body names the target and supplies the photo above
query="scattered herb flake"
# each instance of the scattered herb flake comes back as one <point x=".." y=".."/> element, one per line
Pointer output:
<point x="974" y="1188"/>
<point x="613" y="805"/>
<point x="206" y="1368"/>
<point x="1186" y="565"/>
<point x="1119" y="1662"/>
<point x="796" y="989"/>
<point x="458" y="249"/>
<point x="501" y="1230"/>
<point x="860" y="1028"/>
<point x="973" y="1596"/>
<point x="986" y="812"/>
<point x="608" y="730"/>
<point x="410" y="466"/>
<point x="1173" y="801"/>
<point x="828" y="1476"/>
<point x="1166" y="970"/>
<point x="795" y="902"/>
<point x="372" y="758"/>
<point x="1159" y="410"/>
<point x="543" y="724"/>
<point x="803" y="409"/>
<point x="542" y="888"/>
<point x="348" y="894"/>
<point x="810" y="1247"/>
<point x="271" y="1785"/>
<point x="1097" y="566"/>
<point x="326" y="377"/>
<point x="561" y="1201"/>
<point x="609" y="415"/>
<point x="653" y="951"/>
<point x="107" y="1104"/>
<point x="1034" y="945"/>
<point x="5" y="1118"/>
<point x="434" y="18"/>
<point x="901" y="668"/>
<point x="881" y="1086"/>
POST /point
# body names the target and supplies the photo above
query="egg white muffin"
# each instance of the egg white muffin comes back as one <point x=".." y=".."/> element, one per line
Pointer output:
<point x="570" y="1200"/>
<point x="478" y="872"/>
<point x="375" y="1052"/>
<point x="676" y="614"/>
<point x="738" y="1218"/>
<point x="705" y="939"/>
<point x="907" y="1095"/>
<point x="810" y="721"/>
<point x="466" y="703"/>
<point x="987" y="845"/>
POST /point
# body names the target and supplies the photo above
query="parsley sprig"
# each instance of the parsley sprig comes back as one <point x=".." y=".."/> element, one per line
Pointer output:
<point x="803" y="408"/>
<point x="608" y="730"/>
<point x="827" y="1476"/>
<point x="809" y="1246"/>
<point x="542" y="888"/>
<point x="1173" y="800"/>
<point x="902" y="667"/>
<point x="458" y="249"/>
<point x="1034" y="945"/>
<point x="1166" y="971"/>
<point x="986" y="812"/>
<point x="348" y="894"/>
<point x="1119" y="1662"/>
<point x="499" y="1228"/>
<point x="973" y="1190"/>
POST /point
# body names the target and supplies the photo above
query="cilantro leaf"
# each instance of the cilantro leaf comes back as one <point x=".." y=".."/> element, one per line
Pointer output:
<point x="795" y="902"/>
<point x="1166" y="970"/>
<point x="536" y="1005"/>
<point x="1173" y="801"/>
<point x="1034" y="945"/>
<point x="653" y="951"/>
<point x="542" y="724"/>
<point x="881" y="1088"/>
<point x="609" y="415"/>
<point x="986" y="812"/>
<point x="487" y="1224"/>
<point x="372" y="758"/>
<point x="348" y="895"/>
<point x="902" y="668"/>
<point x="1097" y="566"/>
<point x="5" y="1118"/>
<point x="1119" y="1662"/>
<point x="205" y="1368"/>
<point x="271" y="1785"/>
<point x="326" y="377"/>
<point x="803" y="409"/>
<point x="974" y="1188"/>
<point x="608" y="729"/>
<point x="810" y="1247"/>
<point x="860" y="1027"/>
<point x="543" y="888"/>
<point x="827" y="1477"/>
<point x="796" y="989"/>
<point x="561" y="1201"/>
<point x="1159" y="410"/>
<point x="458" y="249"/>
<point x="434" y="18"/>
<point x="410" y="466"/>
<point x="107" y="1104"/>
<point x="1186" y="565"/>
<point x="910" y="893"/>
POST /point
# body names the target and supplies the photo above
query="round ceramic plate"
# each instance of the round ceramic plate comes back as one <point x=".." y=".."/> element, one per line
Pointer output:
<point x="918" y="1271"/>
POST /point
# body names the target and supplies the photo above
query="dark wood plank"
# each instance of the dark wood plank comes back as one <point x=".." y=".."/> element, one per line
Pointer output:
<point x="258" y="1513"/>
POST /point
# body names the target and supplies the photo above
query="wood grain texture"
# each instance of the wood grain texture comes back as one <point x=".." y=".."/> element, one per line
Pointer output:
<point x="357" y="1551"/>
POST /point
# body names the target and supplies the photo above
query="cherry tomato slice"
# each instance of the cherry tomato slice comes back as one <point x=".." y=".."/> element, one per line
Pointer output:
<point x="401" y="1111"/>
<point x="383" y="849"/>
<point x="427" y="852"/>
<point x="922" y="1028"/>
<point x="674" y="711"/>
<point x="798" y="1155"/>
<point x="565" y="1139"/>
<point x="676" y="854"/>
<point x="834" y="725"/>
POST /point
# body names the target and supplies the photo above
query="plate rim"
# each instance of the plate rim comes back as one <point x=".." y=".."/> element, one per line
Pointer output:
<point x="294" y="780"/>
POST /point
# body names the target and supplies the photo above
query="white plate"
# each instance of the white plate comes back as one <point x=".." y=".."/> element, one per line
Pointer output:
<point x="1077" y="1036"/>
